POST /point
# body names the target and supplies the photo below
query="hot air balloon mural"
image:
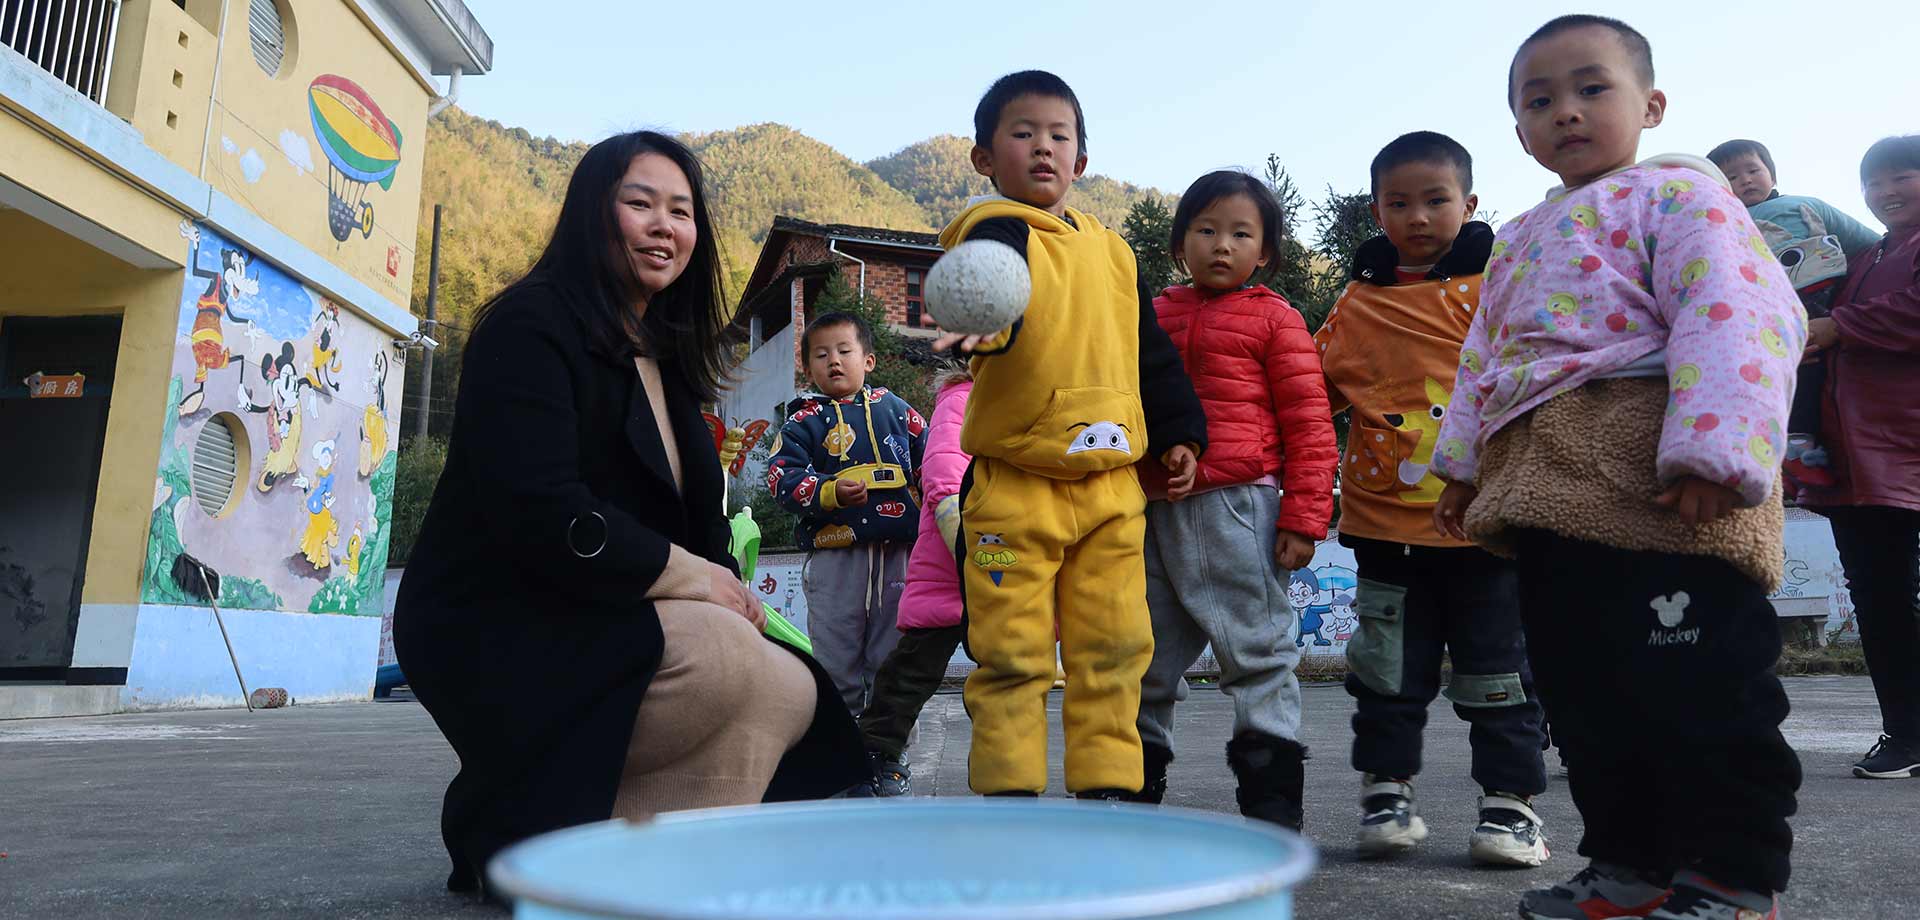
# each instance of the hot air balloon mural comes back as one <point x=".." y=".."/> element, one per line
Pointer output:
<point x="362" y="145"/>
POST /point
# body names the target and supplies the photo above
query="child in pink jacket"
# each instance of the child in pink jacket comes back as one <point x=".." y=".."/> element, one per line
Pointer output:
<point x="930" y="607"/>
<point x="1616" y="426"/>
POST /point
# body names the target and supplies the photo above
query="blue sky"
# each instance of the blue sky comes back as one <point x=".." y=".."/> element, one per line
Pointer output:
<point x="1172" y="90"/>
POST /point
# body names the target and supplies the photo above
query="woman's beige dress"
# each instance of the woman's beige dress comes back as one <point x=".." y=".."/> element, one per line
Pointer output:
<point x="725" y="705"/>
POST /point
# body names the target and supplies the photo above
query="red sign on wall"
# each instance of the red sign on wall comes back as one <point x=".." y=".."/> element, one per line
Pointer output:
<point x="50" y="386"/>
<point x="393" y="261"/>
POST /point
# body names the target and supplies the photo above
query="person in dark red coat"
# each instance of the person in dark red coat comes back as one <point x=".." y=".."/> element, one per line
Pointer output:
<point x="1218" y="554"/>
<point x="1872" y="421"/>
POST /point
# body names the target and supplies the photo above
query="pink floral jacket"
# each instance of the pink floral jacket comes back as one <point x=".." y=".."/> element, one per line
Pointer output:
<point x="1654" y="270"/>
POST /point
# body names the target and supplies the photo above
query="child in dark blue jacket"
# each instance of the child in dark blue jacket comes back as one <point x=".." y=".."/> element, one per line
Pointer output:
<point x="847" y="462"/>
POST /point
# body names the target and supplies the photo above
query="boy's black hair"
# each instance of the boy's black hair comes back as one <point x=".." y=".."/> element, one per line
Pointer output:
<point x="1637" y="47"/>
<point x="986" y="115"/>
<point x="861" y="330"/>
<point x="1890" y="153"/>
<point x="1226" y="183"/>
<point x="1734" y="149"/>
<point x="1423" y="147"/>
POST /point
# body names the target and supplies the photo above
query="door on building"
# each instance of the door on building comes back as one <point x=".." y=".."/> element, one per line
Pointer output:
<point x="56" y="376"/>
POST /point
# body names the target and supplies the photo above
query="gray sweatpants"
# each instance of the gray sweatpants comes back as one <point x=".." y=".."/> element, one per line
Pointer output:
<point x="853" y="597"/>
<point x="1211" y="578"/>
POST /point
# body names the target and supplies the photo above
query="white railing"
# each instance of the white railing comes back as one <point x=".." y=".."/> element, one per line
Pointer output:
<point x="71" y="39"/>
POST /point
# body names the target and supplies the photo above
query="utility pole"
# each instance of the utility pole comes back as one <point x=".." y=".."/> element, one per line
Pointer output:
<point x="433" y="300"/>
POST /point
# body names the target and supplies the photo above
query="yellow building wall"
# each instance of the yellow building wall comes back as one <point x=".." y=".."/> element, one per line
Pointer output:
<point x="51" y="274"/>
<point x="269" y="152"/>
<point x="162" y="75"/>
<point x="53" y="171"/>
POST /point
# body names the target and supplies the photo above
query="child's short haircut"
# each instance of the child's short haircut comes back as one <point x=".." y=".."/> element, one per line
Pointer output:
<point x="1637" y="47"/>
<point x="1424" y="147"/>
<point x="1889" y="154"/>
<point x="837" y="318"/>
<point x="1732" y="150"/>
<point x="1226" y="183"/>
<point x="986" y="115"/>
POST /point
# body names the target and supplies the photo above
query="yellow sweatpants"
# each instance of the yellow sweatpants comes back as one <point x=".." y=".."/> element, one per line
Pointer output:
<point x="1037" y="551"/>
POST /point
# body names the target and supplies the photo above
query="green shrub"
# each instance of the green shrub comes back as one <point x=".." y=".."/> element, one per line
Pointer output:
<point x="420" y="463"/>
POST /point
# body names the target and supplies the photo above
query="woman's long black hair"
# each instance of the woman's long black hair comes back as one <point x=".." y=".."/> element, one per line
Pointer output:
<point x="587" y="265"/>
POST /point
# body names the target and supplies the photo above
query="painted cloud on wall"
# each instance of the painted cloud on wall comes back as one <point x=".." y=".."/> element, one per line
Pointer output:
<point x="252" y="166"/>
<point x="298" y="153"/>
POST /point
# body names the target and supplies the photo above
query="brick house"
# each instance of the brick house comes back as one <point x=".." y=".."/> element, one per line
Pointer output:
<point x="794" y="264"/>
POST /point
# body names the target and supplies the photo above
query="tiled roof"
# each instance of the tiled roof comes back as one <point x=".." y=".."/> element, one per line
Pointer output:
<point x="880" y="235"/>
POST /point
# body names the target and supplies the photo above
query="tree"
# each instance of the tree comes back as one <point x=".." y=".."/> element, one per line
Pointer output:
<point x="1293" y="275"/>
<point x="1148" y="229"/>
<point x="1342" y="222"/>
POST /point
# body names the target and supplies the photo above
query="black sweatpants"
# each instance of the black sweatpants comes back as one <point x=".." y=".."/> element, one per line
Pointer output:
<point x="909" y="676"/>
<point x="1880" y="551"/>
<point x="1804" y="415"/>
<point x="1414" y="603"/>
<point x="1657" y="671"/>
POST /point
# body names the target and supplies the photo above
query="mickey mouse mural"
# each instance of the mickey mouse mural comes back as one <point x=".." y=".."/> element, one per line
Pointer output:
<point x="294" y="455"/>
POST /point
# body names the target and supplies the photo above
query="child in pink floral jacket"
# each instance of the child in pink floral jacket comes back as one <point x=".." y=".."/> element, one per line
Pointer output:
<point x="1616" y="426"/>
<point x="1575" y="294"/>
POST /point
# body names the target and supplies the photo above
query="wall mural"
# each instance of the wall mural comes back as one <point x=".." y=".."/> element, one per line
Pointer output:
<point x="313" y="389"/>
<point x="362" y="146"/>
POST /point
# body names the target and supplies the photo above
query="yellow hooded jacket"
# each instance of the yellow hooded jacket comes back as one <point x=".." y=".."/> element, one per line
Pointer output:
<point x="1066" y="402"/>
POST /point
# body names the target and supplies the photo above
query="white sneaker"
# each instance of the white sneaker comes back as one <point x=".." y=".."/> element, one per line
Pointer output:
<point x="1388" y="824"/>
<point x="1509" y="833"/>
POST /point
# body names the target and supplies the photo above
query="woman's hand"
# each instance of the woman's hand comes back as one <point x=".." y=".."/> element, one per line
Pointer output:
<point x="1698" y="501"/>
<point x="1184" y="465"/>
<point x="1822" y="334"/>
<point x="1450" y="513"/>
<point x="725" y="590"/>
<point x="1292" y="551"/>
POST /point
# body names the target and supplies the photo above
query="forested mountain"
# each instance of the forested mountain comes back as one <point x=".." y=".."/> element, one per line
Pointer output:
<point x="938" y="174"/>
<point x="762" y="170"/>
<point x="501" y="189"/>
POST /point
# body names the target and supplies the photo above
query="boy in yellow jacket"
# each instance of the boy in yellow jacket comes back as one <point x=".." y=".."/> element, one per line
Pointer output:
<point x="1065" y="401"/>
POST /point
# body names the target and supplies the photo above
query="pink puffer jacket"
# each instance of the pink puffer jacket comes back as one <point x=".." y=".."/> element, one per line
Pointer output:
<point x="932" y="597"/>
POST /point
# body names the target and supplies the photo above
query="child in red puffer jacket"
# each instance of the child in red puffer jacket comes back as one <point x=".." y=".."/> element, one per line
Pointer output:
<point x="1267" y="474"/>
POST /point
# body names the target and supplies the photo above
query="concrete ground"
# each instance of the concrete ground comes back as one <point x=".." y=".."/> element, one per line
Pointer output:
<point x="332" y="811"/>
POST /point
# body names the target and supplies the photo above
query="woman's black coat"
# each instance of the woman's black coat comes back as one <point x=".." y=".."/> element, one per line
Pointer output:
<point x="531" y="649"/>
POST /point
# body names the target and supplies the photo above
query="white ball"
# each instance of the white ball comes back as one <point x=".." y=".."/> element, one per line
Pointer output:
<point x="978" y="288"/>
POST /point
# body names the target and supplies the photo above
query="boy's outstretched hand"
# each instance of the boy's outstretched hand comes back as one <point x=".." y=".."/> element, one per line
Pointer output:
<point x="966" y="343"/>
<point x="1698" y="501"/>
<point x="1184" y="464"/>
<point x="1450" y="513"/>
<point x="1292" y="551"/>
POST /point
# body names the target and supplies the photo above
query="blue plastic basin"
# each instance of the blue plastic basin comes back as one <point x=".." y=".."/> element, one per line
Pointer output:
<point x="916" y="860"/>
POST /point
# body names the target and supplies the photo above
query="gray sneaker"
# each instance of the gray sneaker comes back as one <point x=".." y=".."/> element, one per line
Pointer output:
<point x="892" y="777"/>
<point x="1388" y="823"/>
<point x="1696" y="897"/>
<point x="1509" y="833"/>
<point x="1601" y="891"/>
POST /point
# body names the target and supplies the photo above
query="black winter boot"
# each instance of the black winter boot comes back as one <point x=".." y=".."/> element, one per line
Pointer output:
<point x="1272" y="776"/>
<point x="1156" y="759"/>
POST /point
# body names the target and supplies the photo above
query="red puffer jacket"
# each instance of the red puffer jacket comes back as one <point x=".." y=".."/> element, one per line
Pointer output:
<point x="1258" y="376"/>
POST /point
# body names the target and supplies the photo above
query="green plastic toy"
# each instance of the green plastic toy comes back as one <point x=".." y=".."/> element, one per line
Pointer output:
<point x="746" y="551"/>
